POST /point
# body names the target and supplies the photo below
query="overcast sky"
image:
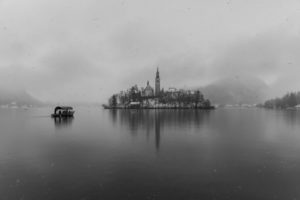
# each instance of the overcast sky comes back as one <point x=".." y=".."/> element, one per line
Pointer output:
<point x="85" y="50"/>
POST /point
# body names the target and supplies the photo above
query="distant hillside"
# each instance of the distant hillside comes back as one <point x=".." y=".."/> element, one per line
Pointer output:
<point x="18" y="97"/>
<point x="237" y="90"/>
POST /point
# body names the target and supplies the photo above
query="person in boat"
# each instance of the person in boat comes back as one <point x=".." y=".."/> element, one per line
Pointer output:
<point x="63" y="111"/>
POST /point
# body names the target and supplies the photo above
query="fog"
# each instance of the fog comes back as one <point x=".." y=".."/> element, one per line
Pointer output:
<point x="75" y="50"/>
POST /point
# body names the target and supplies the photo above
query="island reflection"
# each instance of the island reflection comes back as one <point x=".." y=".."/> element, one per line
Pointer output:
<point x="153" y="122"/>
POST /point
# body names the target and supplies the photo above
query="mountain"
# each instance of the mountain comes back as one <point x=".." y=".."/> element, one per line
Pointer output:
<point x="236" y="90"/>
<point x="17" y="97"/>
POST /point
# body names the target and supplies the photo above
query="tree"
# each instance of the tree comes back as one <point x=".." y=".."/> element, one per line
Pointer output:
<point x="288" y="100"/>
<point x="292" y="100"/>
<point x="113" y="101"/>
<point x="207" y="103"/>
<point x="198" y="98"/>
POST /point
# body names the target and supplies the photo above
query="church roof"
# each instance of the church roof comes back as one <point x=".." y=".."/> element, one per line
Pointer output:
<point x="148" y="87"/>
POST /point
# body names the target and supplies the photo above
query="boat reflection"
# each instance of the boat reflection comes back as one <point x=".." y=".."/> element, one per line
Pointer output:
<point x="61" y="122"/>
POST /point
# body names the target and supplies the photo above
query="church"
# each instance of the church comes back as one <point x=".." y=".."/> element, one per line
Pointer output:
<point x="149" y="91"/>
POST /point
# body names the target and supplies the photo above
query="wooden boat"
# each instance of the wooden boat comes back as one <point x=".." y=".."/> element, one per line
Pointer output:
<point x="63" y="111"/>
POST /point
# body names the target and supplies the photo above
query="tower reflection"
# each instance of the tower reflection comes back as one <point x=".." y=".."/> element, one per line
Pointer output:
<point x="153" y="122"/>
<point x="157" y="130"/>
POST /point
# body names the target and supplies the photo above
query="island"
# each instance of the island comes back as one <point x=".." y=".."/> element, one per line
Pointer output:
<point x="149" y="98"/>
<point x="290" y="101"/>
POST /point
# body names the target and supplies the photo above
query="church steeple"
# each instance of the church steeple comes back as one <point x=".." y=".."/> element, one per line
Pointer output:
<point x="157" y="83"/>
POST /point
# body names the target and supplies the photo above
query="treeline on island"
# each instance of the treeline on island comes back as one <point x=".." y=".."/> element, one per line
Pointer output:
<point x="134" y="98"/>
<point x="290" y="100"/>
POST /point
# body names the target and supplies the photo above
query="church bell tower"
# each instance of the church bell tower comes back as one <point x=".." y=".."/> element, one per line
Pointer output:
<point x="157" y="83"/>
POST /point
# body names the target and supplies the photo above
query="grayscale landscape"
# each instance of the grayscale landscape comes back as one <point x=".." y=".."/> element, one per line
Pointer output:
<point x="149" y="100"/>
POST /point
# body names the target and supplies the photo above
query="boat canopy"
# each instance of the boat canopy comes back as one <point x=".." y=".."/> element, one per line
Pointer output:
<point x="62" y="108"/>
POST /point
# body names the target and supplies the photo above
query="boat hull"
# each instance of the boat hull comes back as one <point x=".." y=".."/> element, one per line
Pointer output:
<point x="71" y="114"/>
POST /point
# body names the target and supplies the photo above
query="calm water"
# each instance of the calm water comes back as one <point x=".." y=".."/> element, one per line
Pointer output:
<point x="104" y="154"/>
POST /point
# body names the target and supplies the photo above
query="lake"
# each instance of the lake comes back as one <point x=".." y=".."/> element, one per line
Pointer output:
<point x="235" y="153"/>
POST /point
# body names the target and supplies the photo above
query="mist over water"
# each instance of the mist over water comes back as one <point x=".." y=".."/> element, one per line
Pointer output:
<point x="150" y="154"/>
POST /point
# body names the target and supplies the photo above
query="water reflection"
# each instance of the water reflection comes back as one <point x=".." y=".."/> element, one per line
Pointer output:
<point x="155" y="121"/>
<point x="136" y="119"/>
<point x="61" y="122"/>
<point x="220" y="154"/>
<point x="113" y="114"/>
<point x="157" y="130"/>
<point x="291" y="117"/>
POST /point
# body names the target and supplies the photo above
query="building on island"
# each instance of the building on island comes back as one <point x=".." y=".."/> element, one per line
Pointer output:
<point x="157" y="83"/>
<point x="148" y="91"/>
<point x="172" y="89"/>
<point x="149" y="97"/>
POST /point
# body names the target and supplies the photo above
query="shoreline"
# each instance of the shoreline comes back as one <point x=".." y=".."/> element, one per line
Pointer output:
<point x="157" y="108"/>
